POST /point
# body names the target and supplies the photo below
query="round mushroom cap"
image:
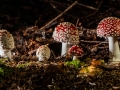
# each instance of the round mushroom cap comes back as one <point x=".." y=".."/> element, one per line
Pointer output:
<point x="6" y="40"/>
<point x="43" y="53"/>
<point x="76" y="50"/>
<point x="109" y="26"/>
<point x="66" y="32"/>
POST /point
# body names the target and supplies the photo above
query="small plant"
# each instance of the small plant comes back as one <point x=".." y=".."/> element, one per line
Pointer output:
<point x="90" y="71"/>
<point x="102" y="61"/>
<point x="23" y="65"/>
<point x="75" y="63"/>
<point x="93" y="69"/>
<point x="88" y="59"/>
<point x="5" y="71"/>
<point x="1" y="72"/>
<point x="2" y="60"/>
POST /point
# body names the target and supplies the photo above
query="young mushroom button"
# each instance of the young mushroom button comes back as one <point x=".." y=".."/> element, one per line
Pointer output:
<point x="110" y="27"/>
<point x="75" y="51"/>
<point x="43" y="53"/>
<point x="66" y="33"/>
<point x="6" y="44"/>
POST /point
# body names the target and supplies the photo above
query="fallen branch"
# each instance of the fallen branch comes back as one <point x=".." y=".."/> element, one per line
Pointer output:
<point x="32" y="51"/>
<point x="93" y="41"/>
<point x="85" y="29"/>
<point x="61" y="11"/>
<point x="53" y="54"/>
<point x="95" y="11"/>
<point x="103" y="47"/>
<point x="90" y="7"/>
<point x="58" y="16"/>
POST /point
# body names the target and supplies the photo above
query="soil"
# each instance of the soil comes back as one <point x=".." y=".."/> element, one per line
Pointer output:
<point x="24" y="19"/>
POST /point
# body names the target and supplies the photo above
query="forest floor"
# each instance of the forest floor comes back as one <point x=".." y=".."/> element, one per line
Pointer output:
<point x="25" y="72"/>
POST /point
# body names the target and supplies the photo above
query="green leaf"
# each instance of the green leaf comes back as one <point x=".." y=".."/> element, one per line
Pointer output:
<point x="75" y="63"/>
<point x="1" y="72"/>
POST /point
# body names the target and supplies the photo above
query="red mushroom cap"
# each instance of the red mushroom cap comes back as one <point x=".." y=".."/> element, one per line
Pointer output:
<point x="66" y="32"/>
<point x="109" y="26"/>
<point x="76" y="50"/>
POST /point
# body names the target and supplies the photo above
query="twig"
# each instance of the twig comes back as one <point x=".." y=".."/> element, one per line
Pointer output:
<point x="85" y="29"/>
<point x="95" y="11"/>
<point x="61" y="11"/>
<point x="53" y="53"/>
<point x="58" y="16"/>
<point x="77" y="22"/>
<point x="36" y="21"/>
<point x="32" y="51"/>
<point x="90" y="7"/>
<point x="103" y="47"/>
<point x="93" y="41"/>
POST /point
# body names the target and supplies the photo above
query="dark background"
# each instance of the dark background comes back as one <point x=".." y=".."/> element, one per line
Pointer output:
<point x="18" y="14"/>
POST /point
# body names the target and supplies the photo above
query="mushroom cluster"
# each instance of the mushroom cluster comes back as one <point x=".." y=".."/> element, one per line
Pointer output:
<point x="76" y="51"/>
<point x="66" y="33"/>
<point x="110" y="27"/>
<point x="43" y="53"/>
<point x="6" y="44"/>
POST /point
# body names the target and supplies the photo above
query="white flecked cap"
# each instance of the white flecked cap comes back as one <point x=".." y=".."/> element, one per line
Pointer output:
<point x="109" y="26"/>
<point x="66" y="32"/>
<point x="6" y="39"/>
<point x="6" y="44"/>
<point x="43" y="53"/>
<point x="76" y="50"/>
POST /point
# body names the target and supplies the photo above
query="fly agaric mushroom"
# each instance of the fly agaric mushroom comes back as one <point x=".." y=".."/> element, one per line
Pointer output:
<point x="6" y="44"/>
<point x="76" y="51"/>
<point x="43" y="52"/>
<point x="110" y="27"/>
<point x="66" y="33"/>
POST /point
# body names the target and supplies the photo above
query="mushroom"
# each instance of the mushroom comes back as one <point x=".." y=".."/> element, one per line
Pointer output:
<point x="6" y="44"/>
<point x="110" y="27"/>
<point x="66" y="33"/>
<point x="43" y="52"/>
<point x="76" y="51"/>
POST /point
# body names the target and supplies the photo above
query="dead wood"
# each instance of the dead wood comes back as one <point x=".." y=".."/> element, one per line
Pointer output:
<point x="42" y="28"/>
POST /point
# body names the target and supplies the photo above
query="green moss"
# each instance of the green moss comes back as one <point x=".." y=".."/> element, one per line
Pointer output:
<point x="75" y="63"/>
<point x="5" y="71"/>
<point x="23" y="65"/>
<point x="2" y="72"/>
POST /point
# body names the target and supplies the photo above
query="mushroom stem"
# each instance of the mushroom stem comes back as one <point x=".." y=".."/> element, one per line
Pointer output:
<point x="8" y="54"/>
<point x="2" y="54"/>
<point x="65" y="48"/>
<point x="75" y="58"/>
<point x="114" y="51"/>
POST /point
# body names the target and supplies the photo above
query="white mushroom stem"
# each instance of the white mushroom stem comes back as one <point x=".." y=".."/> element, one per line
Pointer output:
<point x="65" y="48"/>
<point x="2" y="54"/>
<point x="8" y="54"/>
<point x="114" y="50"/>
<point x="75" y="58"/>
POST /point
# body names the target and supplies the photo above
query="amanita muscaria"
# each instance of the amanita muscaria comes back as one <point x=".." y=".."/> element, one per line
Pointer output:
<point x="76" y="51"/>
<point x="43" y="52"/>
<point x="6" y="44"/>
<point x="110" y="27"/>
<point x="66" y="33"/>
